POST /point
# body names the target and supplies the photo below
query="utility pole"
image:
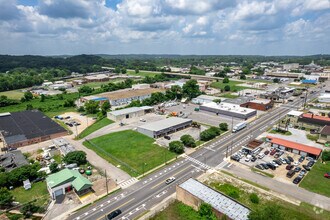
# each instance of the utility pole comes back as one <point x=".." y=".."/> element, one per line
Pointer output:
<point x="305" y="97"/>
<point x="106" y="181"/>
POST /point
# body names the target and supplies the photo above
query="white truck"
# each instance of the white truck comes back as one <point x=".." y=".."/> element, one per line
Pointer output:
<point x="239" y="126"/>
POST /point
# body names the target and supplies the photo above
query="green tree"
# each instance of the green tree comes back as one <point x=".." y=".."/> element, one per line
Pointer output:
<point x="69" y="103"/>
<point x="242" y="76"/>
<point x="6" y="197"/>
<point x="117" y="70"/>
<point x="325" y="155"/>
<point x="276" y="80"/>
<point x="85" y="89"/>
<point x="123" y="70"/>
<point x="191" y="89"/>
<point x="217" y="101"/>
<point x="205" y="212"/>
<point x="225" y="80"/>
<point x="28" y="209"/>
<point x="91" y="107"/>
<point x="223" y="126"/>
<point x="42" y="98"/>
<point x="28" y="96"/>
<point x="53" y="167"/>
<point x="227" y="88"/>
<point x="254" y="198"/>
<point x="81" y="109"/>
<point x="105" y="107"/>
<point x="29" y="107"/>
<point x="176" y="147"/>
<point x="188" y="140"/>
<point x="78" y="157"/>
<point x="137" y="71"/>
<point x="267" y="212"/>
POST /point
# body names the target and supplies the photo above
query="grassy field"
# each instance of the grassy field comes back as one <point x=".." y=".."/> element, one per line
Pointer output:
<point x="234" y="85"/>
<point x="288" y="210"/>
<point x="95" y="126"/>
<point x="177" y="211"/>
<point x="288" y="133"/>
<point x="228" y="96"/>
<point x="141" y="73"/>
<point x="132" y="148"/>
<point x="13" y="94"/>
<point x="38" y="192"/>
<point x="315" y="181"/>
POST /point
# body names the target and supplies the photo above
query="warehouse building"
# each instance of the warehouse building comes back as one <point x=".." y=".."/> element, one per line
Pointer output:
<point x="193" y="193"/>
<point x="205" y="99"/>
<point x="127" y="113"/>
<point x="164" y="127"/>
<point x="228" y="109"/>
<point x="28" y="127"/>
<point x="259" y="104"/>
<point x="294" y="147"/>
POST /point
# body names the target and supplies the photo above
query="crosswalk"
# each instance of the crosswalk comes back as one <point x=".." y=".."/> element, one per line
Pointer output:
<point x="203" y="165"/>
<point x="128" y="182"/>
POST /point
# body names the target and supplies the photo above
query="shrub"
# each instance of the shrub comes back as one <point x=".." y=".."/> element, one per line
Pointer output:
<point x="227" y="88"/>
<point x="176" y="146"/>
<point x="210" y="133"/>
<point x="230" y="190"/>
<point x="78" y="157"/>
<point x="188" y="140"/>
<point x="326" y="156"/>
<point x="223" y="126"/>
<point x="254" y="198"/>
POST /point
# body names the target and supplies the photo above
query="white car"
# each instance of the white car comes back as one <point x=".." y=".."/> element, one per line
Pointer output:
<point x="261" y="155"/>
<point x="282" y="160"/>
<point x="248" y="158"/>
<point x="296" y="163"/>
<point x="170" y="180"/>
<point x="275" y="164"/>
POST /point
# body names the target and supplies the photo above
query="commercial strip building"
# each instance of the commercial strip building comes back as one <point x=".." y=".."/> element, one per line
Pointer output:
<point x="123" y="96"/>
<point x="127" y="113"/>
<point x="28" y="127"/>
<point x="193" y="193"/>
<point x="294" y="115"/>
<point x="294" y="147"/>
<point x="324" y="98"/>
<point x="205" y="99"/>
<point x="65" y="181"/>
<point x="228" y="109"/>
<point x="164" y="127"/>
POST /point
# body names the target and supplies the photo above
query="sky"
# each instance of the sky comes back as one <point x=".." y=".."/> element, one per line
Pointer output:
<point x="201" y="27"/>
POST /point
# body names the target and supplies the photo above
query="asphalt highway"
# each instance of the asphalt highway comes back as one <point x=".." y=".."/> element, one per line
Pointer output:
<point x="150" y="190"/>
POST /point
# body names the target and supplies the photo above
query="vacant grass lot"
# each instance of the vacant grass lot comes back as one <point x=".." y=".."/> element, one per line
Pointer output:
<point x="37" y="192"/>
<point x="142" y="73"/>
<point x="13" y="94"/>
<point x="95" y="126"/>
<point x="234" y="85"/>
<point x="132" y="148"/>
<point x="315" y="181"/>
<point x="177" y="211"/>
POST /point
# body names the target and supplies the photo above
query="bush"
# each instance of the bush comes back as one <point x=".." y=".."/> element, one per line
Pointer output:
<point x="176" y="147"/>
<point x="254" y="198"/>
<point x="270" y="212"/>
<point x="230" y="190"/>
<point x="78" y="157"/>
<point x="227" y="88"/>
<point x="326" y="156"/>
<point x="5" y="197"/>
<point x="28" y="209"/>
<point x="210" y="133"/>
<point x="223" y="126"/>
<point x="188" y="140"/>
<point x="225" y="80"/>
<point x="53" y="167"/>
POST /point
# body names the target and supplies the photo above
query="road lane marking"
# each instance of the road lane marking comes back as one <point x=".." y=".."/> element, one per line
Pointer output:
<point x="162" y="182"/>
<point x="118" y="207"/>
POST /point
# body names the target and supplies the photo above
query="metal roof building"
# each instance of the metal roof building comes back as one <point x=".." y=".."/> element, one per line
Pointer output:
<point x="126" y="113"/>
<point x="193" y="193"/>
<point x="164" y="127"/>
<point x="232" y="110"/>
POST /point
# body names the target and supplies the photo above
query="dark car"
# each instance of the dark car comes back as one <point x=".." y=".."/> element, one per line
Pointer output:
<point x="301" y="159"/>
<point x="167" y="137"/>
<point x="297" y="180"/>
<point x="297" y="169"/>
<point x="287" y="161"/>
<point x="302" y="173"/>
<point x="272" y="152"/>
<point x="290" y="158"/>
<point x="12" y="148"/>
<point x="260" y="167"/>
<point x="289" y="167"/>
<point x="327" y="175"/>
<point x="290" y="173"/>
<point x="279" y="162"/>
<point x="253" y="159"/>
<point x="235" y="157"/>
<point x="271" y="166"/>
<point x="277" y="155"/>
<point x="306" y="167"/>
<point x="264" y="166"/>
<point x="266" y="152"/>
<point x="310" y="163"/>
<point x="114" y="214"/>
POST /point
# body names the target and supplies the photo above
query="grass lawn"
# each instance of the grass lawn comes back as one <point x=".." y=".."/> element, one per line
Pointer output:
<point x="228" y="96"/>
<point x="38" y="192"/>
<point x="99" y="84"/>
<point x="142" y="73"/>
<point x="132" y="148"/>
<point x="58" y="158"/>
<point x="315" y="181"/>
<point x="280" y="132"/>
<point x="234" y="85"/>
<point x="95" y="126"/>
<point x="13" y="94"/>
<point x="177" y="211"/>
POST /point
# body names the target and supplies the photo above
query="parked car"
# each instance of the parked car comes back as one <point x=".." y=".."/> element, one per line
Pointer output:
<point x="287" y="161"/>
<point x="327" y="175"/>
<point x="266" y="152"/>
<point x="264" y="166"/>
<point x="302" y="173"/>
<point x="306" y="167"/>
<point x="290" y="158"/>
<point x="297" y="180"/>
<point x="310" y="163"/>
<point x="261" y="155"/>
<point x="297" y="169"/>
<point x="114" y="214"/>
<point x="259" y="167"/>
<point x="289" y="167"/>
<point x="281" y="152"/>
<point x="274" y="163"/>
<point x="279" y="162"/>
<point x="272" y="152"/>
<point x="170" y="180"/>
<point x="283" y="160"/>
<point x="309" y="159"/>
<point x="296" y="163"/>
<point x="290" y="173"/>
<point x="271" y="166"/>
<point x="248" y="158"/>
<point x="301" y="159"/>
<point x="167" y="137"/>
<point x="235" y="157"/>
<point x="253" y="159"/>
<point x="276" y="155"/>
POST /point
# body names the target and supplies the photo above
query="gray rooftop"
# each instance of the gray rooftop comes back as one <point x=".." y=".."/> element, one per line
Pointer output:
<point x="164" y="124"/>
<point x="126" y="111"/>
<point x="218" y="201"/>
<point x="239" y="100"/>
<point x="12" y="160"/>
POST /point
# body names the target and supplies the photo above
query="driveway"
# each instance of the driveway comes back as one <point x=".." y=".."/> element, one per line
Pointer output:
<point x="63" y="204"/>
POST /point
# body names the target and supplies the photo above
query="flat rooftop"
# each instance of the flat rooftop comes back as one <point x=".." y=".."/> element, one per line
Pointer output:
<point x="164" y="124"/>
<point x="126" y="111"/>
<point x="229" y="107"/>
<point x="24" y="125"/>
<point x="295" y="113"/>
<point x="209" y="97"/>
<point x="217" y="200"/>
<point x="239" y="100"/>
<point x="261" y="101"/>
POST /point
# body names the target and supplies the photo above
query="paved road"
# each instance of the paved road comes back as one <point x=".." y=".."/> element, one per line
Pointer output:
<point x="151" y="190"/>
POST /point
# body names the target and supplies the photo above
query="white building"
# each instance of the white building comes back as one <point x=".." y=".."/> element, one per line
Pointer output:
<point x="290" y="66"/>
<point x="141" y="86"/>
<point x="133" y="112"/>
<point x="325" y="98"/>
<point x="229" y="109"/>
<point x="205" y="99"/>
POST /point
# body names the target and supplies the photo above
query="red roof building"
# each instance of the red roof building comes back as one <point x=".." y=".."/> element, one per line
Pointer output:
<point x="295" y="147"/>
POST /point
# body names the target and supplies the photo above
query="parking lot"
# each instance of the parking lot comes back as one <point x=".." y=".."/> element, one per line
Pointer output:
<point x="268" y="155"/>
<point x="202" y="117"/>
